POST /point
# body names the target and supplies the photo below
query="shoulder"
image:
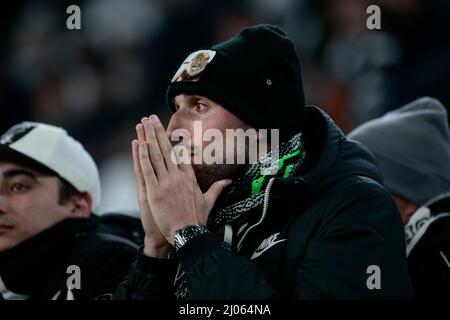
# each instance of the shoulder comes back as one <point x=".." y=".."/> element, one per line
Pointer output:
<point x="103" y="255"/>
<point x="101" y="263"/>
<point x="358" y="191"/>
<point x="357" y="203"/>
<point x="98" y="247"/>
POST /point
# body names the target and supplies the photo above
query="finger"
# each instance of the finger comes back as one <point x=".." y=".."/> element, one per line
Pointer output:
<point x="156" y="157"/>
<point x="143" y="120"/>
<point x="182" y="151"/>
<point x="140" y="182"/>
<point x="215" y="190"/>
<point x="164" y="143"/>
<point x="180" y="155"/>
<point x="151" y="182"/>
<point x="140" y="132"/>
<point x="185" y="166"/>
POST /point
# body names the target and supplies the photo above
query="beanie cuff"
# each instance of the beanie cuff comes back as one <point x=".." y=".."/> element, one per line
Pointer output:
<point x="407" y="182"/>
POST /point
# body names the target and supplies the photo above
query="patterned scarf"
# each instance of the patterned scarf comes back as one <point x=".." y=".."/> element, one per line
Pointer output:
<point x="247" y="192"/>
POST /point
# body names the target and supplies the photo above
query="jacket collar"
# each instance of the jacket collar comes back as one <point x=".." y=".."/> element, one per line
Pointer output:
<point x="332" y="158"/>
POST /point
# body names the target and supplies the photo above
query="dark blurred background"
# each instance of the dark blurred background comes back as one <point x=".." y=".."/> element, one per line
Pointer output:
<point x="97" y="82"/>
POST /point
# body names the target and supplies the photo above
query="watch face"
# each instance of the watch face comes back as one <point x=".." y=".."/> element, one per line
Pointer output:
<point x="189" y="232"/>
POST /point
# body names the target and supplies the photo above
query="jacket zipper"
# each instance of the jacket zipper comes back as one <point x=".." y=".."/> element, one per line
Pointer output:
<point x="265" y="208"/>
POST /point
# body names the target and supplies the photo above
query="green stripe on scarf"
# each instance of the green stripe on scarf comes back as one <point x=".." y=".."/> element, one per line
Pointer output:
<point x="258" y="183"/>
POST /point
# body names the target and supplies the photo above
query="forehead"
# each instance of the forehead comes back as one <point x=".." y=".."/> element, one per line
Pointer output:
<point x="7" y="166"/>
<point x="190" y="98"/>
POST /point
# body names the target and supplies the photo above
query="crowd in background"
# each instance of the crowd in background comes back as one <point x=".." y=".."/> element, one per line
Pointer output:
<point x="99" y="81"/>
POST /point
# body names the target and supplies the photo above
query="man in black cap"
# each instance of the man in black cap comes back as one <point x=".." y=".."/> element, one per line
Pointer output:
<point x="307" y="220"/>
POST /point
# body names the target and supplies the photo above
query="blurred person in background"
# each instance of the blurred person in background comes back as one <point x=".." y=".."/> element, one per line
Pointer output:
<point x="412" y="146"/>
<point x="49" y="189"/>
<point x="309" y="231"/>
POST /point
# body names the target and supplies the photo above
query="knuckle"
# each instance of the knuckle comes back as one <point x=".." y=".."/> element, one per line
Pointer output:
<point x="157" y="157"/>
<point x="157" y="196"/>
<point x="177" y="179"/>
<point x="167" y="149"/>
<point x="142" y="154"/>
<point x="164" y="187"/>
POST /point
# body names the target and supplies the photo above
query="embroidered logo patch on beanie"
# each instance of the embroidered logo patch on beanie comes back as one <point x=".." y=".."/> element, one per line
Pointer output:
<point x="193" y="66"/>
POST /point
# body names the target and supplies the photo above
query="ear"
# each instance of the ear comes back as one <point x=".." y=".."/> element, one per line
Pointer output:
<point x="408" y="211"/>
<point x="405" y="207"/>
<point x="81" y="205"/>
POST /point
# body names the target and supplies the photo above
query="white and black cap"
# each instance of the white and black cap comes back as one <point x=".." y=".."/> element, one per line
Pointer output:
<point x="53" y="148"/>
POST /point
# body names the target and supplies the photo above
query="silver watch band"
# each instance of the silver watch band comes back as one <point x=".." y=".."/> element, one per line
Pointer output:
<point x="187" y="233"/>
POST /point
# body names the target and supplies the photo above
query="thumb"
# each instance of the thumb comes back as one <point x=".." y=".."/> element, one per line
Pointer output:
<point x="215" y="190"/>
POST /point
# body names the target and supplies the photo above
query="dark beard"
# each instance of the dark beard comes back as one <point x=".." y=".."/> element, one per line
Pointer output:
<point x="207" y="174"/>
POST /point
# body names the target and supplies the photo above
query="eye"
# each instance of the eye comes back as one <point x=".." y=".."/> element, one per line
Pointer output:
<point x="200" y="106"/>
<point x="19" y="187"/>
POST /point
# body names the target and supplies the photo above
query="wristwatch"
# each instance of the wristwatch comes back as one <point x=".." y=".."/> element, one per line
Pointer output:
<point x="189" y="232"/>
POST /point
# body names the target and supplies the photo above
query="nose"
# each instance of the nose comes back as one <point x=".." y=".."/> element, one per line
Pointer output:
<point x="175" y="123"/>
<point x="3" y="204"/>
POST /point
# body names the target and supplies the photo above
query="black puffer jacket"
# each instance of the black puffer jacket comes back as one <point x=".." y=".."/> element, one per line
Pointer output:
<point x="38" y="268"/>
<point x="318" y="236"/>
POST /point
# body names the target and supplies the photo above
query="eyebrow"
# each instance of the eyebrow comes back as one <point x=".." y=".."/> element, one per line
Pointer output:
<point x="190" y="98"/>
<point x="18" y="172"/>
<point x="196" y="97"/>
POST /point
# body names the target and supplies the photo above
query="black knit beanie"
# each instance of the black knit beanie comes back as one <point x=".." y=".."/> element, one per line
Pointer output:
<point x="256" y="75"/>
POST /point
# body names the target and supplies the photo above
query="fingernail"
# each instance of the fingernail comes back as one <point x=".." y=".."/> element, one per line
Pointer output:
<point x="154" y="118"/>
<point x="228" y="182"/>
